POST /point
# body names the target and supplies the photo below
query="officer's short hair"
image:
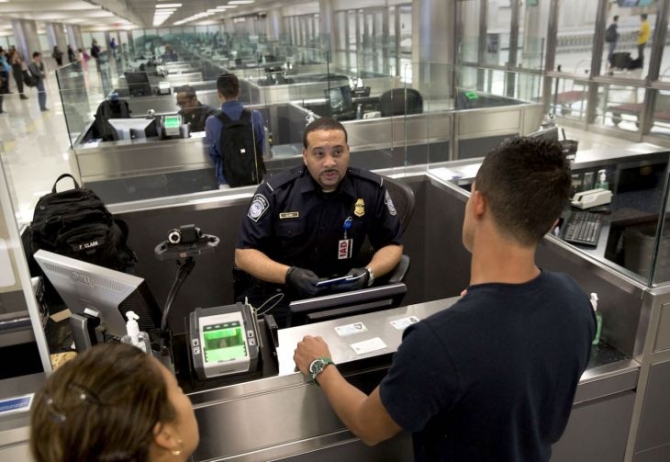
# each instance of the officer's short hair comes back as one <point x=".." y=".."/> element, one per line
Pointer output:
<point x="228" y="85"/>
<point x="324" y="123"/>
<point x="526" y="183"/>
<point x="186" y="89"/>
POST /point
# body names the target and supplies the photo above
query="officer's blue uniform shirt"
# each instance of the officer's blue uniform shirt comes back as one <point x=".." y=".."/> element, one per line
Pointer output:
<point x="294" y="222"/>
<point x="214" y="127"/>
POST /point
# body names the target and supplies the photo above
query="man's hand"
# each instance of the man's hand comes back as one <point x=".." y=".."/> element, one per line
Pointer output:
<point x="304" y="281"/>
<point x="362" y="277"/>
<point x="309" y="349"/>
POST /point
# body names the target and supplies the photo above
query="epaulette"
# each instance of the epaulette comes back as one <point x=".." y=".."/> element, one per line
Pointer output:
<point x="366" y="175"/>
<point x="284" y="178"/>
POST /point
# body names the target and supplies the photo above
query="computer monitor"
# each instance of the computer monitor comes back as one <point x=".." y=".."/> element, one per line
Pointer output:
<point x="138" y="83"/>
<point x="346" y="304"/>
<point x="108" y="293"/>
<point x="547" y="134"/>
<point x="131" y="128"/>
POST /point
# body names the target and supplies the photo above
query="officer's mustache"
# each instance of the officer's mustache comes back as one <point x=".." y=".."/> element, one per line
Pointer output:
<point x="330" y="170"/>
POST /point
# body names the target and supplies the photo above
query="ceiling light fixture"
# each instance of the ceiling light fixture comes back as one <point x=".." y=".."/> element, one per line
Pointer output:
<point x="241" y="2"/>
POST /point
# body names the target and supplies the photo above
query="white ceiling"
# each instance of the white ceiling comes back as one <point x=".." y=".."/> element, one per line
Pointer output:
<point x="110" y="14"/>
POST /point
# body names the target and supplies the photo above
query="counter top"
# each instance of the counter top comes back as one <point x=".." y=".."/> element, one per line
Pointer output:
<point x="605" y="360"/>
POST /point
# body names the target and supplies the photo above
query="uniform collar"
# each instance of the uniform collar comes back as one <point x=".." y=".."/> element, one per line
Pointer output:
<point x="307" y="184"/>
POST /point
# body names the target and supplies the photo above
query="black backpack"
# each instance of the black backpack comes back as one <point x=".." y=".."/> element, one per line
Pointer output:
<point x="611" y="34"/>
<point x="28" y="78"/>
<point x="242" y="159"/>
<point x="109" y="109"/>
<point x="76" y="224"/>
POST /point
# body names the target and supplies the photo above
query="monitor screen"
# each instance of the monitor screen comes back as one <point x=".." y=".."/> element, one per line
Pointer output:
<point x="173" y="121"/>
<point x="346" y="304"/>
<point x="339" y="99"/>
<point x="110" y="294"/>
<point x="547" y="134"/>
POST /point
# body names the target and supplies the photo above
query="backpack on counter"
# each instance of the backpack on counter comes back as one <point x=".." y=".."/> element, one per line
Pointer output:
<point x="75" y="223"/>
<point x="242" y="162"/>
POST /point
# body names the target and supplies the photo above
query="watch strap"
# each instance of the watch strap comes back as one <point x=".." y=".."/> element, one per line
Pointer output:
<point x="326" y="362"/>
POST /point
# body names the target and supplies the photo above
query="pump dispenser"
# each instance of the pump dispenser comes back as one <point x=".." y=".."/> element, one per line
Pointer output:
<point x="136" y="337"/>
<point x="599" y="318"/>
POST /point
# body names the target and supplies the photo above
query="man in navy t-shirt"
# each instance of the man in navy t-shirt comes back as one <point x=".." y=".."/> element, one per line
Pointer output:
<point x="493" y="377"/>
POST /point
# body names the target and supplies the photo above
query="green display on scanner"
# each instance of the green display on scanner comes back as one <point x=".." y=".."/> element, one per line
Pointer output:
<point x="171" y="122"/>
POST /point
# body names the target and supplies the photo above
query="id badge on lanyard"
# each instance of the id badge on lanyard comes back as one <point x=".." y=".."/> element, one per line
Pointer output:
<point x="345" y="246"/>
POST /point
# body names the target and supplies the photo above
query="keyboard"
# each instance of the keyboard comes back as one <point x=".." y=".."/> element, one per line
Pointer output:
<point x="582" y="228"/>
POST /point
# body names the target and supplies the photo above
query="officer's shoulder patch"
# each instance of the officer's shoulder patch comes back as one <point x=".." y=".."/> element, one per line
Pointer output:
<point x="367" y="175"/>
<point x="259" y="205"/>
<point x="283" y="178"/>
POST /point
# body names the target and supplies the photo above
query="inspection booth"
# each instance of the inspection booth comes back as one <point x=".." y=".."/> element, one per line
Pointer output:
<point x="619" y="403"/>
<point x="436" y="130"/>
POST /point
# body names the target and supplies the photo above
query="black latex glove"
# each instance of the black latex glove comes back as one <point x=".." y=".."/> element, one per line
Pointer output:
<point x="360" y="282"/>
<point x="303" y="281"/>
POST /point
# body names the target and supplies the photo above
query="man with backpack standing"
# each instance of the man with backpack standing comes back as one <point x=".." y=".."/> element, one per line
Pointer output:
<point x="234" y="139"/>
<point x="611" y="37"/>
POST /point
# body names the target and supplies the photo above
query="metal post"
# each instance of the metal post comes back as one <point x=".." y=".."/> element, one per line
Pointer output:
<point x="550" y="58"/>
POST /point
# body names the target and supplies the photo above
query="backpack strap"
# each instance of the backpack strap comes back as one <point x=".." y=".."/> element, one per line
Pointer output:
<point x="65" y="175"/>
<point x="223" y="117"/>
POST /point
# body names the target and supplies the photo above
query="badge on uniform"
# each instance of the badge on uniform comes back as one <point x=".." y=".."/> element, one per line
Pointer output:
<point x="345" y="248"/>
<point x="285" y="215"/>
<point x="359" y="208"/>
<point x="259" y="205"/>
<point x="389" y="204"/>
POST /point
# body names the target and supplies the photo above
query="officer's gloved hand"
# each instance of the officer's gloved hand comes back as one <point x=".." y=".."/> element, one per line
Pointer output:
<point x="303" y="281"/>
<point x="360" y="278"/>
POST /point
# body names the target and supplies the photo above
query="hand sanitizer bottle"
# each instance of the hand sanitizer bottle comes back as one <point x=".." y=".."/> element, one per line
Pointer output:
<point x="135" y="337"/>
<point x="599" y="318"/>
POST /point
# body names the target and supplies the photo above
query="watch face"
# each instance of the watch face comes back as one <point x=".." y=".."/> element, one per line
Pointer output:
<point x="316" y="366"/>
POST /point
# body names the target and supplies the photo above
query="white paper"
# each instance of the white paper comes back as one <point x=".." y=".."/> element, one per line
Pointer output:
<point x="6" y="270"/>
<point x="351" y="329"/>
<point x="404" y="323"/>
<point x="368" y="346"/>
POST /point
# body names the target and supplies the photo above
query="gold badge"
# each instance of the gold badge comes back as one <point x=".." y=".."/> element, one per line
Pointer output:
<point x="359" y="208"/>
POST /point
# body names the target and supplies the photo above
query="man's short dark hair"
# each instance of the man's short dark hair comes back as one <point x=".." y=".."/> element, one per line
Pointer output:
<point x="526" y="183"/>
<point x="187" y="89"/>
<point x="644" y="16"/>
<point x="36" y="54"/>
<point x="324" y="123"/>
<point x="616" y="18"/>
<point x="228" y="85"/>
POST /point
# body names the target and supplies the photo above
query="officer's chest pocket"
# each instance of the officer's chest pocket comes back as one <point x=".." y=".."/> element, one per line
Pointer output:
<point x="289" y="231"/>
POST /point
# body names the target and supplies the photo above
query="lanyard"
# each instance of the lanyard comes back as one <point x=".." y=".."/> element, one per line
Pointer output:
<point x="347" y="225"/>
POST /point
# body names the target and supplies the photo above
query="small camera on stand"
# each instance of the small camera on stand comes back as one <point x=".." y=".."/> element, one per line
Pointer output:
<point x="185" y="241"/>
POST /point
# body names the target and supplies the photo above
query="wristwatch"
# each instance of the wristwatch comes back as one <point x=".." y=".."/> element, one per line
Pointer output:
<point x="317" y="366"/>
<point x="371" y="279"/>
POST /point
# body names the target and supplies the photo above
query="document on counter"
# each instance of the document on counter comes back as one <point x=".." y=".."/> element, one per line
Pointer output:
<point x="404" y="323"/>
<point x="351" y="329"/>
<point x="368" y="346"/>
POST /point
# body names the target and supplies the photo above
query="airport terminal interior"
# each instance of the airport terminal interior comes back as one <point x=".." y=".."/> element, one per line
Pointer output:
<point x="425" y="89"/>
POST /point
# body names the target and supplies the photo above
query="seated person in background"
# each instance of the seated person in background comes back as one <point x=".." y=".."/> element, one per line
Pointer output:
<point x="308" y="223"/>
<point x="170" y="55"/>
<point x="112" y="403"/>
<point x="228" y="89"/>
<point x="492" y="378"/>
<point x="193" y="111"/>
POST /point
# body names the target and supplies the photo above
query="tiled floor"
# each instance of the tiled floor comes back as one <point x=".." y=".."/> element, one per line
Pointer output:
<point x="36" y="144"/>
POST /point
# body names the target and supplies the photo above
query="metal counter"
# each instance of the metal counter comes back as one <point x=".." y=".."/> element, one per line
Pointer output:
<point x="289" y="415"/>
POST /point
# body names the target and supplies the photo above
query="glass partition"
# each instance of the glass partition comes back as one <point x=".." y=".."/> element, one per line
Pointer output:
<point x="661" y="116"/>
<point x="620" y="106"/>
<point x="569" y="98"/>
<point x="651" y="241"/>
